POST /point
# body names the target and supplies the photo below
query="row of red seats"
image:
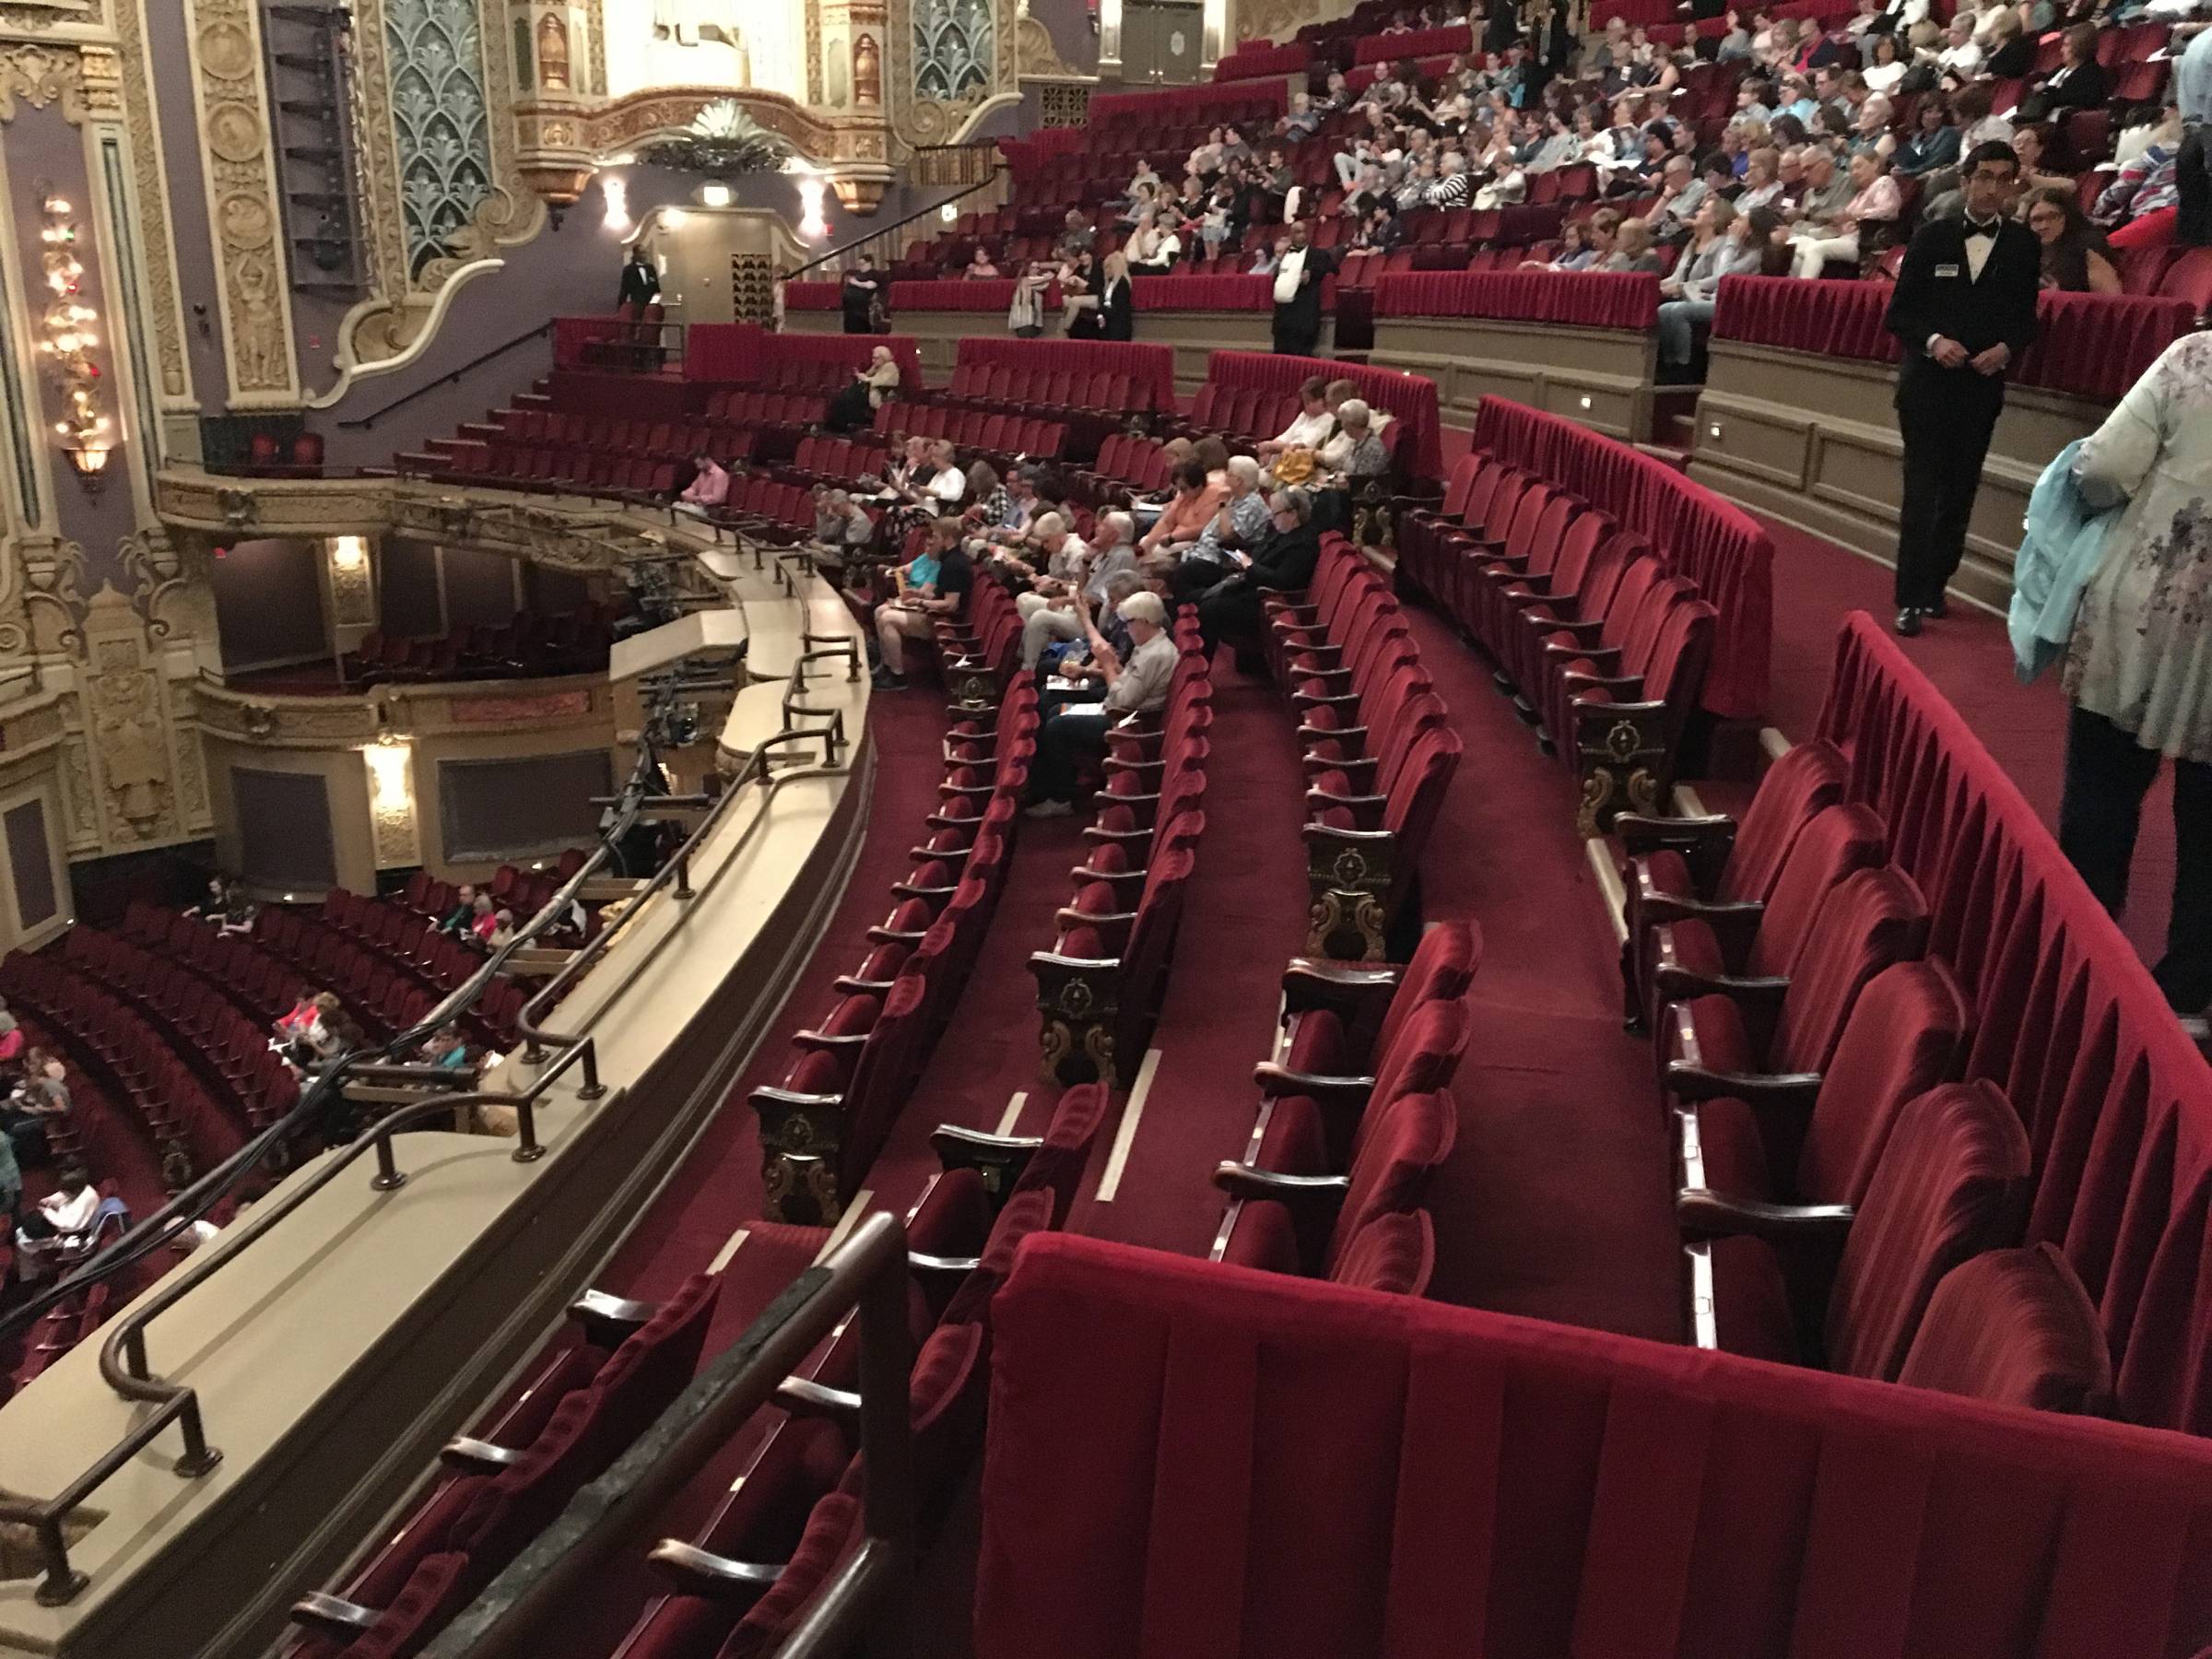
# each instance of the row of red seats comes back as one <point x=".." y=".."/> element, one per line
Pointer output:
<point x="532" y="644"/>
<point x="1139" y="463"/>
<point x="1603" y="648"/>
<point x="582" y="1406"/>
<point x="1379" y="752"/>
<point x="133" y="1062"/>
<point x="1354" y="1120"/>
<point x="388" y="967"/>
<point x="523" y="892"/>
<point x="642" y="440"/>
<point x="1100" y="986"/>
<point x="1000" y="435"/>
<point x="1057" y="389"/>
<point x="772" y="408"/>
<point x="1839" y="1194"/>
<point x="230" y="1049"/>
<point x="254" y="981"/>
<point x="823" y="1123"/>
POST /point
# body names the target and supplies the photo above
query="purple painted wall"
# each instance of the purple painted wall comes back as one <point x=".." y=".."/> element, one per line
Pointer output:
<point x="1069" y="24"/>
<point x="44" y="149"/>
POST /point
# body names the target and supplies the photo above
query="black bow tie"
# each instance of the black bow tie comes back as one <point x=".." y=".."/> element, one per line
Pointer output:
<point x="1974" y="230"/>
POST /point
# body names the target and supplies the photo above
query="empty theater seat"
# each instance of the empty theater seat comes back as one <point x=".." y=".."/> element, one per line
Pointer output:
<point x="2013" y="1327"/>
<point x="1950" y="1185"/>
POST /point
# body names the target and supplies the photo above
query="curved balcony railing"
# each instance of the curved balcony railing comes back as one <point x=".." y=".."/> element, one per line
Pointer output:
<point x="550" y="1056"/>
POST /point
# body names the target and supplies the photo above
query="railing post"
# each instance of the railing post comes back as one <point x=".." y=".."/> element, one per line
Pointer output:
<point x="134" y="1351"/>
<point x="527" y="1149"/>
<point x="62" y="1582"/>
<point x="683" y="875"/>
<point x="199" y="1456"/>
<point x="388" y="1176"/>
<point x="592" y="1089"/>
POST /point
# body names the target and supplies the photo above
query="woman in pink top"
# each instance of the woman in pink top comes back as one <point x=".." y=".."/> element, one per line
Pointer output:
<point x="1198" y="496"/>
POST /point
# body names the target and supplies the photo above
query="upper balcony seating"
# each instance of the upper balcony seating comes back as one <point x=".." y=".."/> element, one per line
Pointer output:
<point x="583" y="1405"/>
<point x="1949" y="1186"/>
<point x="532" y="645"/>
<point x="1000" y="439"/>
<point x="1712" y="868"/>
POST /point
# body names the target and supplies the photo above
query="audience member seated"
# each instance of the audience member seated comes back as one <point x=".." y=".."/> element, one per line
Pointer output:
<point x="1139" y="685"/>
<point x="1234" y="609"/>
<point x="1729" y="244"/>
<point x="933" y="584"/>
<point x="2074" y="260"/>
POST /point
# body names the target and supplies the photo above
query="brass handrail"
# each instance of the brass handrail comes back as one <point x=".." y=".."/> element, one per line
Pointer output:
<point x="868" y="1270"/>
<point x="122" y="1360"/>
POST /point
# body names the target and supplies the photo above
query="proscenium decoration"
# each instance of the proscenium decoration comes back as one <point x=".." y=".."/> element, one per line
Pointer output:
<point x="67" y="340"/>
<point x="722" y="142"/>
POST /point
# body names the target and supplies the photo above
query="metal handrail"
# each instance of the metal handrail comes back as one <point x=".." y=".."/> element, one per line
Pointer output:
<point x="122" y="1359"/>
<point x="868" y="1270"/>
<point x="363" y="422"/>
<point x="879" y="231"/>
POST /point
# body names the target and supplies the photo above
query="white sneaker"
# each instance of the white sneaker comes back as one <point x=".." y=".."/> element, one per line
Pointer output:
<point x="1050" y="809"/>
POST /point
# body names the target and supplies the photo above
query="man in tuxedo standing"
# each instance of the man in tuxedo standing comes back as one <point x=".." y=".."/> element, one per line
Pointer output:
<point x="1297" y="278"/>
<point x="1964" y="310"/>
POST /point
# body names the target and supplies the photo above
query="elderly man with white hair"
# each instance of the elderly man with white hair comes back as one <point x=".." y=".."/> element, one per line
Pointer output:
<point x="1052" y="614"/>
<point x="1242" y="522"/>
<point x="1138" y="686"/>
<point x="842" y="527"/>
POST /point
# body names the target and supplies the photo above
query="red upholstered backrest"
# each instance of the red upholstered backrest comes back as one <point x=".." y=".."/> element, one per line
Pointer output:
<point x="1422" y="1055"/>
<point x="1807" y="780"/>
<point x="2014" y="1326"/>
<point x="1905" y="1034"/>
<point x="1584" y="533"/>
<point x="1417" y="796"/>
<point x="1410" y="1137"/>
<point x="1275" y="1466"/>
<point x="833" y="1529"/>
<point x="1835" y="842"/>
<point x="1056" y="1167"/>
<point x="1394" y="1254"/>
<point x="1870" y="919"/>
<point x="1443" y="966"/>
<point x="433" y="1593"/>
<point x="1025" y="1213"/>
<point x="1949" y="1186"/>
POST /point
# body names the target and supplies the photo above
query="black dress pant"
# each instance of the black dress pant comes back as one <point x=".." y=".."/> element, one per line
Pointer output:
<point x="1297" y="329"/>
<point x="1946" y="441"/>
<point x="2108" y="773"/>
<point x="1233" y="612"/>
<point x="2192" y="188"/>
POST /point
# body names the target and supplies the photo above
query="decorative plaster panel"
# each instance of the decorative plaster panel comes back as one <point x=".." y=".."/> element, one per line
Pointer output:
<point x="243" y="207"/>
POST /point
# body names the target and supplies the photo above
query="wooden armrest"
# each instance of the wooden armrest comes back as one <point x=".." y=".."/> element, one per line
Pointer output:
<point x="607" y="1320"/>
<point x="1360" y="769"/>
<point x="845" y="985"/>
<point x="776" y="1096"/>
<point x="1313" y="733"/>
<point x="941" y="1267"/>
<point x="907" y="890"/>
<point x="1705" y="1214"/>
<point x="823" y="1042"/>
<point x="1308" y="1193"/>
<point x="1689" y="1084"/>
<point x="1100" y="921"/>
<point x="700" y="1572"/>
<point x="1359" y="803"/>
<point x="803" y="1397"/>
<point x="1642" y="833"/>
<point x="334" y="1615"/>
<point x="1629" y="685"/>
<point x="473" y="1456"/>
<point x="1276" y="1081"/>
<point x="1670" y="983"/>
<point x="1116" y="879"/>
<point x="1341" y="700"/>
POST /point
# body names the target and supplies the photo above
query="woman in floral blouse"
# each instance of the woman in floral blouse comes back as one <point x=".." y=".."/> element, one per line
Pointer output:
<point x="2140" y="668"/>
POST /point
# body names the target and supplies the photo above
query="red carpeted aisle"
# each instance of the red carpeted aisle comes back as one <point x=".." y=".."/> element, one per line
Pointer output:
<point x="1243" y="918"/>
<point x="1968" y="657"/>
<point x="1554" y="1203"/>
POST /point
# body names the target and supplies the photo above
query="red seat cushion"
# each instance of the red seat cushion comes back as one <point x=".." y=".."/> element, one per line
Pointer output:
<point x="2017" y="1327"/>
<point x="1751" y="1302"/>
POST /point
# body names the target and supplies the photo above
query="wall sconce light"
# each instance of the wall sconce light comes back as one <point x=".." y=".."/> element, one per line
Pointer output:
<point x="66" y="341"/>
<point x="615" y="189"/>
<point x="716" y="195"/>
<point x="813" y="224"/>
<point x="348" y="552"/>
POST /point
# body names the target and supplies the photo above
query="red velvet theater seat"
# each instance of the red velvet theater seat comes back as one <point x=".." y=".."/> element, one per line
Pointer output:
<point x="1816" y="1137"/>
<point x="1313" y="1123"/>
<point x="1868" y="920"/>
<point x="1293" y="1223"/>
<point x="2016" y="1327"/>
<point x="1951" y="1185"/>
<point x="1335" y="1015"/>
<point x="1679" y="868"/>
<point x="1762" y="941"/>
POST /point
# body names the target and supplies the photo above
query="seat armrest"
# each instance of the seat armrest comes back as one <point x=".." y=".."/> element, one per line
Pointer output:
<point x="825" y="1042"/>
<point x="1679" y="985"/>
<point x="941" y="1269"/>
<point x="607" y="1320"/>
<point x="472" y="1456"/>
<point x="1309" y="1195"/>
<point x="1705" y="1214"/>
<point x="998" y="1160"/>
<point x="1276" y="1081"/>
<point x="695" y="1572"/>
<point x="803" y="1397"/>
<point x="845" y="985"/>
<point x="1790" y="1090"/>
<point x="333" y="1616"/>
<point x="1640" y="832"/>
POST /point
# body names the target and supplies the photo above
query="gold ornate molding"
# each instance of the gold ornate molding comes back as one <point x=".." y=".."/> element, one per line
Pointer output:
<point x="165" y="309"/>
<point x="1039" y="56"/>
<point x="243" y="208"/>
<point x="920" y="121"/>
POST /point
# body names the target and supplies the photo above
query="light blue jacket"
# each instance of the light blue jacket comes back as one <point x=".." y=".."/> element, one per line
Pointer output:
<point x="2064" y="545"/>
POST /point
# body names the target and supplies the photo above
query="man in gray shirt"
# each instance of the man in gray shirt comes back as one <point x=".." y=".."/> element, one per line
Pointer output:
<point x="1140" y="686"/>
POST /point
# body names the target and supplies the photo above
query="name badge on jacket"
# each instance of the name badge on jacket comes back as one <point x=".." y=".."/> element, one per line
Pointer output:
<point x="1946" y="270"/>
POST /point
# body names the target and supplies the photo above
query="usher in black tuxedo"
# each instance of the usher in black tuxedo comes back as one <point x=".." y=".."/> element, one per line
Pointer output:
<point x="1946" y="415"/>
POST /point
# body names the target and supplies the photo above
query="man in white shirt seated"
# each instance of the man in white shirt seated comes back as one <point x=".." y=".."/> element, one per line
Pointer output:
<point x="1139" y="685"/>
